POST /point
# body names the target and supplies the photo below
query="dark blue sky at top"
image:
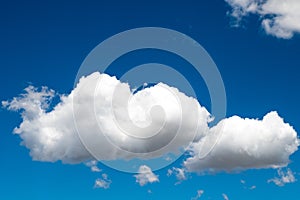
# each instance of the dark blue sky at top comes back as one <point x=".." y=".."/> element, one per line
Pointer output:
<point x="45" y="42"/>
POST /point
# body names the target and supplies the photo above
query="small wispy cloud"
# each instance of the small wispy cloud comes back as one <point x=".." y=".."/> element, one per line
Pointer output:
<point x="252" y="187"/>
<point x="284" y="177"/>
<point x="225" y="197"/>
<point x="145" y="176"/>
<point x="180" y="174"/>
<point x="93" y="165"/>
<point x="199" y="194"/>
<point x="246" y="186"/>
<point x="103" y="182"/>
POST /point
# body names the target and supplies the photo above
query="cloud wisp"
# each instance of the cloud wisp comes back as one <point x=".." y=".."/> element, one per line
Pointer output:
<point x="199" y="195"/>
<point x="93" y="166"/>
<point x="225" y="197"/>
<point x="180" y="174"/>
<point x="103" y="182"/>
<point x="284" y="177"/>
<point x="279" y="18"/>
<point x="145" y="176"/>
<point x="246" y="186"/>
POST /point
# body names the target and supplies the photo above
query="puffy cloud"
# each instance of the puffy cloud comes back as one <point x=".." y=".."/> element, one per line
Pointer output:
<point x="50" y="136"/>
<point x="284" y="177"/>
<point x="279" y="17"/>
<point x="145" y="175"/>
<point x="111" y="122"/>
<point x="199" y="194"/>
<point x="103" y="182"/>
<point x="245" y="144"/>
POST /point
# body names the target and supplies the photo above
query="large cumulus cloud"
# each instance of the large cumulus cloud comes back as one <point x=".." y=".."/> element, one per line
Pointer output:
<point x="102" y="118"/>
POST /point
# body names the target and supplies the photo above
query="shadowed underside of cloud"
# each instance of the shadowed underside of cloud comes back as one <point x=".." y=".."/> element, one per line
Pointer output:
<point x="278" y="17"/>
<point x="119" y="125"/>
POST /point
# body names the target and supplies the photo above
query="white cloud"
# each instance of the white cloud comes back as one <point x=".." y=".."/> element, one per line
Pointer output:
<point x="252" y="187"/>
<point x="169" y="172"/>
<point x="180" y="174"/>
<point x="52" y="136"/>
<point x="103" y="182"/>
<point x="199" y="194"/>
<point x="243" y="182"/>
<point x="284" y="177"/>
<point x="93" y="165"/>
<point x="225" y="197"/>
<point x="246" y="144"/>
<point x="95" y="169"/>
<point x="33" y="103"/>
<point x="145" y="175"/>
<point x="278" y="17"/>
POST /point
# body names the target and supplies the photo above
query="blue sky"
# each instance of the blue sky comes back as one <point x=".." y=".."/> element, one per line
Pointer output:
<point x="44" y="44"/>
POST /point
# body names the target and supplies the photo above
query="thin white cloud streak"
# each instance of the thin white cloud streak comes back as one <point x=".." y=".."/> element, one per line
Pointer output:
<point x="279" y="18"/>
<point x="225" y="197"/>
<point x="145" y="176"/>
<point x="252" y="187"/>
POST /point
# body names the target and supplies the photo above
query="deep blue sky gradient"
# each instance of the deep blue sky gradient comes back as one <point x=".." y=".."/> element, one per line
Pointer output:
<point x="44" y="43"/>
